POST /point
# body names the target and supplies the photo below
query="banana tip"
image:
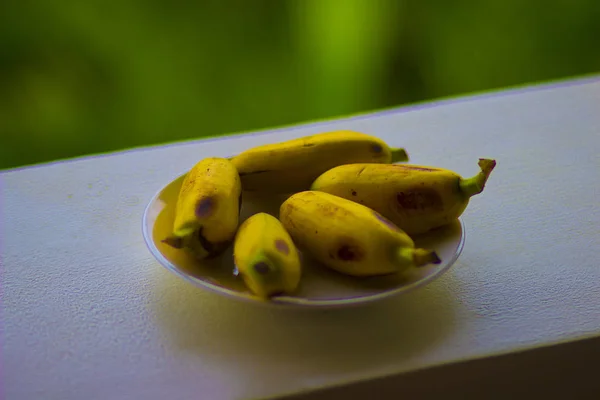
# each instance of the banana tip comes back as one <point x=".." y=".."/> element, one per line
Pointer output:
<point x="173" y="241"/>
<point x="476" y="184"/>
<point x="423" y="257"/>
<point x="487" y="165"/>
<point x="399" y="155"/>
<point x="435" y="259"/>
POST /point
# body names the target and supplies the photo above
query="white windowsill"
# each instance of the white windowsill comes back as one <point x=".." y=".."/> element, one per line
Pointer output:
<point x="89" y="314"/>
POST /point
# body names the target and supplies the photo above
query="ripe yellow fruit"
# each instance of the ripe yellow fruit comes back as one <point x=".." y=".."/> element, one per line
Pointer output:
<point x="266" y="257"/>
<point x="416" y="198"/>
<point x="208" y="208"/>
<point x="349" y="237"/>
<point x="292" y="166"/>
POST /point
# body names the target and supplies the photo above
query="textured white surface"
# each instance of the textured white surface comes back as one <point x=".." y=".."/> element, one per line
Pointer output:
<point x="89" y="314"/>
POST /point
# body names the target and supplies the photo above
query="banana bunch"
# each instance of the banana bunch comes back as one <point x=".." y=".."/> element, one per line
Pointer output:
<point x="350" y="204"/>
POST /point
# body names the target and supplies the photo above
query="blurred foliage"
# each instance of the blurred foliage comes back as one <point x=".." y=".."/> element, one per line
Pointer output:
<point x="80" y="77"/>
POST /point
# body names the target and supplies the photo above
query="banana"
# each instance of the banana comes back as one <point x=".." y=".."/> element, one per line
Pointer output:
<point x="207" y="209"/>
<point x="291" y="166"/>
<point x="266" y="257"/>
<point x="415" y="198"/>
<point x="349" y="237"/>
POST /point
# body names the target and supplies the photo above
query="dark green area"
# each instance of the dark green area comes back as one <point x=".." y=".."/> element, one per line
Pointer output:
<point x="81" y="77"/>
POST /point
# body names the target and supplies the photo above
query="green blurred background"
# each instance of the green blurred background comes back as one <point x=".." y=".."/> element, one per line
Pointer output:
<point x="88" y="76"/>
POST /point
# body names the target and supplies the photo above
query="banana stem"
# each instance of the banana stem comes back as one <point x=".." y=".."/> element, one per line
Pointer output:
<point x="417" y="257"/>
<point x="475" y="185"/>
<point x="399" y="155"/>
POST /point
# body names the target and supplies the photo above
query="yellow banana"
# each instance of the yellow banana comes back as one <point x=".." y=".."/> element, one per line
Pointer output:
<point x="266" y="257"/>
<point x="207" y="210"/>
<point x="349" y="237"/>
<point x="415" y="198"/>
<point x="291" y="166"/>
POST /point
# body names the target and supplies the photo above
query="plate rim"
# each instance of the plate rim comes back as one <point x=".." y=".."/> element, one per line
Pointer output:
<point x="288" y="301"/>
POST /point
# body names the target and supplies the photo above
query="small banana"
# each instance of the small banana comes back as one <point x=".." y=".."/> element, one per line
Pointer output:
<point x="349" y="237"/>
<point x="415" y="198"/>
<point x="291" y="166"/>
<point x="208" y="208"/>
<point x="266" y="257"/>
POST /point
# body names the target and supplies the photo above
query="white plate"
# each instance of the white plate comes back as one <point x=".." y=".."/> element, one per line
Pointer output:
<point x="319" y="287"/>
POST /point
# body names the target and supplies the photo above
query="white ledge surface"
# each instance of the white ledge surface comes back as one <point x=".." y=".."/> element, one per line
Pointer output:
<point x="89" y="314"/>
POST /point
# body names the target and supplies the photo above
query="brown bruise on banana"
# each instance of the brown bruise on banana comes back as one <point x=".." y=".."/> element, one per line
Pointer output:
<point x="205" y="207"/>
<point x="282" y="246"/>
<point x="349" y="253"/>
<point x="347" y="250"/>
<point x="419" y="199"/>
<point x="262" y="268"/>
